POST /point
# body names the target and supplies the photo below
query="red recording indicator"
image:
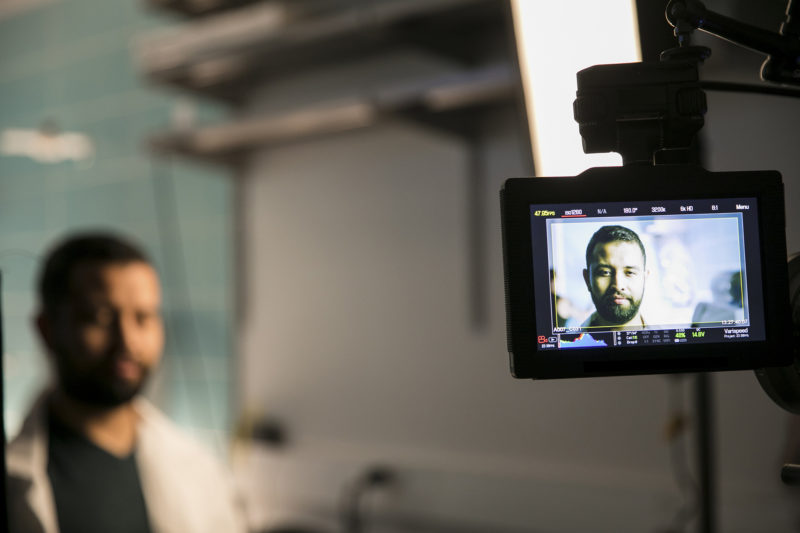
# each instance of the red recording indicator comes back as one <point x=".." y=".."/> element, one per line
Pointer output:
<point x="542" y="339"/>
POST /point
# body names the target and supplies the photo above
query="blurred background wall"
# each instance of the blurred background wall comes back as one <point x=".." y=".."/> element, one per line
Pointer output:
<point x="334" y="287"/>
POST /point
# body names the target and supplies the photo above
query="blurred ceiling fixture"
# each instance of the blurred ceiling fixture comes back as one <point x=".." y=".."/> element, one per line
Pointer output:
<point x="458" y="90"/>
<point x="463" y="89"/>
<point x="201" y="7"/>
<point x="204" y="5"/>
<point x="216" y="70"/>
<point x="231" y="54"/>
<point x="169" y="48"/>
<point x="47" y="144"/>
<point x="318" y="120"/>
<point x="554" y="41"/>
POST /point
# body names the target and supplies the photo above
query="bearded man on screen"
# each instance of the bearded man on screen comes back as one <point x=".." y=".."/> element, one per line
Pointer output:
<point x="615" y="275"/>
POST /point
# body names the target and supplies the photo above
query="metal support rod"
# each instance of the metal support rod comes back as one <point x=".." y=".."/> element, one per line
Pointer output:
<point x="694" y="13"/>
<point x="705" y="455"/>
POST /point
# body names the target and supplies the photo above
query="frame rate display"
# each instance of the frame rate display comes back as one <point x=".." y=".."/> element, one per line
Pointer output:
<point x="675" y="278"/>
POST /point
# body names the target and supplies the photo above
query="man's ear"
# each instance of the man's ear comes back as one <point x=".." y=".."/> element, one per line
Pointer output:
<point x="586" y="279"/>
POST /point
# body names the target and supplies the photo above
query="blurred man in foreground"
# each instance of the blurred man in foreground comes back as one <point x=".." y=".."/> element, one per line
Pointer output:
<point x="92" y="455"/>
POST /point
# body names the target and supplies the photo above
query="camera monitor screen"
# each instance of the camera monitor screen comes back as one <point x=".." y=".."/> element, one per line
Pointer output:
<point x="645" y="271"/>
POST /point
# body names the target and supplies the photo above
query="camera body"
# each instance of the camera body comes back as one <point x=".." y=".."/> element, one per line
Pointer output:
<point x="692" y="278"/>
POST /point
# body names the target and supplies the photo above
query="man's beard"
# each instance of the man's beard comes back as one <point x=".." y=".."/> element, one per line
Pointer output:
<point x="94" y="388"/>
<point x="613" y="313"/>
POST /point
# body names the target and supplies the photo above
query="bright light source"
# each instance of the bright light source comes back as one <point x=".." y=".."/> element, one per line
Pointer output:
<point x="556" y="39"/>
<point x="46" y="146"/>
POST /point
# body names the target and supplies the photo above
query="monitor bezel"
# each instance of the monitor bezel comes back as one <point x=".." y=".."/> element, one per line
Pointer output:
<point x="643" y="183"/>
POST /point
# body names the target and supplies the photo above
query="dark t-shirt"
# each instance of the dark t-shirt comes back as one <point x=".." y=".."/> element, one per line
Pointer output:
<point x="94" y="491"/>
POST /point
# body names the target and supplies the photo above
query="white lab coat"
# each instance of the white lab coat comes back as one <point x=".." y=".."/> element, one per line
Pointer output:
<point x="186" y="490"/>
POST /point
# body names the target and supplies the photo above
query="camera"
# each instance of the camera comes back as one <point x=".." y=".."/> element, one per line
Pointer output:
<point x="658" y="266"/>
<point x="644" y="270"/>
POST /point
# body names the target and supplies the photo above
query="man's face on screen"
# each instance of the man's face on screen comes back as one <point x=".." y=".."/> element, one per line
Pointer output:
<point x="615" y="278"/>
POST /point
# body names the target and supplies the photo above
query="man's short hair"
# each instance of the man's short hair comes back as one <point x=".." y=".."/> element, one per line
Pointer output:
<point x="95" y="248"/>
<point x="608" y="234"/>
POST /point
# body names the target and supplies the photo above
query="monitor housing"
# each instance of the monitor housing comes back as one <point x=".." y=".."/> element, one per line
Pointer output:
<point x="713" y="288"/>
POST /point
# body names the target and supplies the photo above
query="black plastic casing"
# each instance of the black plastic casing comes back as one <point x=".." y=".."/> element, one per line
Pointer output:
<point x="643" y="183"/>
